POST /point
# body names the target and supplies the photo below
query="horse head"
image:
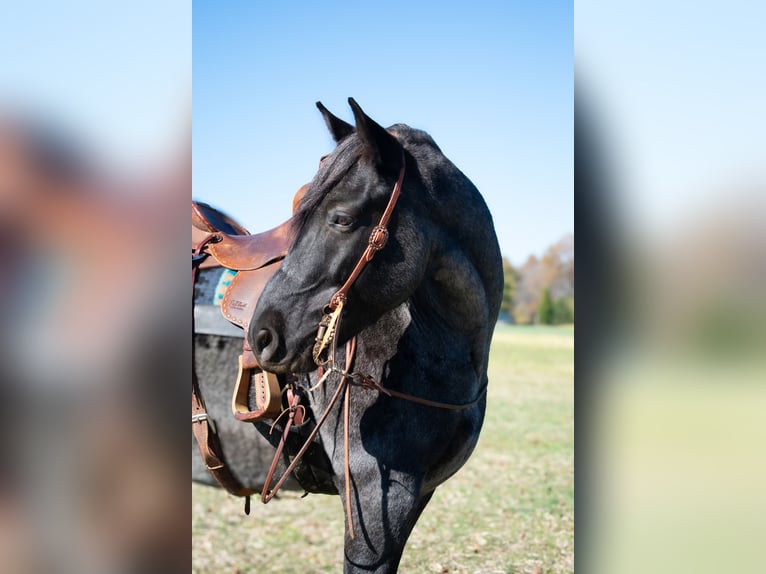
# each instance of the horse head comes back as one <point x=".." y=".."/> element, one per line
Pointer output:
<point x="424" y="256"/>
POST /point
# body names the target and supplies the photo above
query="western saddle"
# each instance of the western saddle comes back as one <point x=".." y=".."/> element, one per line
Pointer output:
<point x="219" y="241"/>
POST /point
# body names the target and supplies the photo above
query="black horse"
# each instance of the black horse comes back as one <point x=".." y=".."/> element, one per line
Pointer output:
<point x="422" y="313"/>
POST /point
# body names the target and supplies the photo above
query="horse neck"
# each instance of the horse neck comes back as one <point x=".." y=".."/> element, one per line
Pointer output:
<point x="414" y="349"/>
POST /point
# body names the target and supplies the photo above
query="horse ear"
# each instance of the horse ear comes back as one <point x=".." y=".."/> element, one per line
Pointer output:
<point x="338" y="128"/>
<point x="379" y="145"/>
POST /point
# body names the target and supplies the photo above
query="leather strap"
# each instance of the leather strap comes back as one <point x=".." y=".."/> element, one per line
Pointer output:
<point x="326" y="329"/>
<point x="267" y="494"/>
<point x="204" y="431"/>
<point x="268" y="394"/>
<point x="210" y="446"/>
<point x="369" y="383"/>
<point x="376" y="242"/>
<point x="347" y="379"/>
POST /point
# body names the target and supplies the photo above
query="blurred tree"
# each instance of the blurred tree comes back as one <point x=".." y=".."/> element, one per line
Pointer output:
<point x="563" y="310"/>
<point x="528" y="291"/>
<point x="554" y="272"/>
<point x="560" y="260"/>
<point x="545" y="310"/>
<point x="511" y="278"/>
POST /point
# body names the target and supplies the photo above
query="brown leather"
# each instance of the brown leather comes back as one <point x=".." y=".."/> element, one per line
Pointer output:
<point x="198" y="235"/>
<point x="268" y="394"/>
<point x="255" y="258"/>
<point x="204" y="432"/>
<point x="247" y="252"/>
<point x="242" y="295"/>
<point x="210" y="449"/>
<point x="206" y="220"/>
<point x="376" y="242"/>
<point x="209" y="219"/>
<point x="204" y="231"/>
<point x="237" y="306"/>
<point x="268" y="493"/>
<point x="299" y="195"/>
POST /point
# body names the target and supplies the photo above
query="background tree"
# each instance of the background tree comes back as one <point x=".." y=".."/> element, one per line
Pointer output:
<point x="528" y="290"/>
<point x="554" y="271"/>
<point x="560" y="260"/>
<point x="545" y="310"/>
<point x="511" y="278"/>
<point x="563" y="311"/>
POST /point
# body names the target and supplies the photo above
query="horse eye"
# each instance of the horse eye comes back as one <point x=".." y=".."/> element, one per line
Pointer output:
<point x="342" y="220"/>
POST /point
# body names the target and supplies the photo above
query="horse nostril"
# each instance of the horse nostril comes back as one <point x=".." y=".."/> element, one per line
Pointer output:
<point x="263" y="339"/>
<point x="266" y="343"/>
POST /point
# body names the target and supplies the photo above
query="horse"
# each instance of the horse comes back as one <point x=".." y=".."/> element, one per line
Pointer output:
<point x="396" y="256"/>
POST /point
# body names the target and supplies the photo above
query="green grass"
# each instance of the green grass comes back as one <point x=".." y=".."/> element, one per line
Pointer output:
<point x="509" y="510"/>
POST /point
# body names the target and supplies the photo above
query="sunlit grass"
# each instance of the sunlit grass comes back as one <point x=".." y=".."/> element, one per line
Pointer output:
<point x="509" y="510"/>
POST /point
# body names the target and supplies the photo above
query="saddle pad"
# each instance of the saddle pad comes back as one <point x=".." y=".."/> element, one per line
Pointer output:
<point x="209" y="291"/>
<point x="211" y="285"/>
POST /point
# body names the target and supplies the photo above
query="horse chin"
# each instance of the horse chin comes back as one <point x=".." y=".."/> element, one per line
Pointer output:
<point x="304" y="363"/>
<point x="292" y="364"/>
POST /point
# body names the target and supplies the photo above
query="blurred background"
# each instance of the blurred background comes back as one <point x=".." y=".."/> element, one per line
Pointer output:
<point x="671" y="336"/>
<point x="95" y="173"/>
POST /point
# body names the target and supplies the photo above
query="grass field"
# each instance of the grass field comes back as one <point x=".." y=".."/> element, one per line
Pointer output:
<point x="510" y="510"/>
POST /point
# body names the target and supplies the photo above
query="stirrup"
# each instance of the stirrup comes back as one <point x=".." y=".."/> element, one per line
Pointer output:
<point x="268" y="395"/>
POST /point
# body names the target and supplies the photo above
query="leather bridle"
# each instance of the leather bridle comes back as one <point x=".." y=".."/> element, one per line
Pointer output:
<point x="376" y="242"/>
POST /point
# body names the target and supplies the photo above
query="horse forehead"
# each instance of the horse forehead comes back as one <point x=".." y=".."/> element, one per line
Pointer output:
<point x="359" y="178"/>
<point x="344" y="182"/>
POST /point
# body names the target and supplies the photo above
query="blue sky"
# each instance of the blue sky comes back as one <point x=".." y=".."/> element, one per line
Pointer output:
<point x="492" y="82"/>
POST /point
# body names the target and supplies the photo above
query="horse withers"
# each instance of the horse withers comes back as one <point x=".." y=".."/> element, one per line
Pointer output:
<point x="409" y="329"/>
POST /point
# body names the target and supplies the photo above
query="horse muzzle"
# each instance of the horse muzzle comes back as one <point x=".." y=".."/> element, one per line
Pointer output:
<point x="275" y="352"/>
